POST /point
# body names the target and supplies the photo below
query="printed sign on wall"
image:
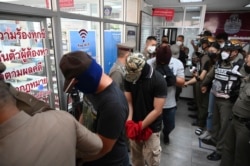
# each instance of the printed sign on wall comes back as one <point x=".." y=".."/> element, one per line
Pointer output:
<point x="84" y="41"/>
<point x="234" y="24"/>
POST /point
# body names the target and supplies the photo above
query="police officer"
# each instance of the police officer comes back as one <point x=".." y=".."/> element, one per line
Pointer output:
<point x="226" y="82"/>
<point x="201" y="98"/>
<point x="25" y="101"/>
<point x="236" y="148"/>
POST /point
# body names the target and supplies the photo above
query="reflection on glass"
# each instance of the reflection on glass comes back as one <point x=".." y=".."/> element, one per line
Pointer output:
<point x="32" y="3"/>
<point x="192" y="19"/>
<point x="113" y="9"/>
<point x="132" y="7"/>
<point x="23" y="51"/>
<point x="84" y="7"/>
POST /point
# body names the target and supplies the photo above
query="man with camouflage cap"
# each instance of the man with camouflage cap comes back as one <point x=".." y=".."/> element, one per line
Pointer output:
<point x="146" y="91"/>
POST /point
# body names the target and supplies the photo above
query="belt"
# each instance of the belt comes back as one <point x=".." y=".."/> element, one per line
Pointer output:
<point x="242" y="120"/>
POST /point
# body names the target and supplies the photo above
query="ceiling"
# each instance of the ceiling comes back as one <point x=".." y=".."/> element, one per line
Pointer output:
<point x="212" y="5"/>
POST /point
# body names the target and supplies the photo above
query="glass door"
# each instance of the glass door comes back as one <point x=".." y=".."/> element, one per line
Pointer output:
<point x="25" y="49"/>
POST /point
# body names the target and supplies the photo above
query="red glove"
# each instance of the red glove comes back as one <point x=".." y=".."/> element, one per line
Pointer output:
<point x="145" y="134"/>
<point x="133" y="129"/>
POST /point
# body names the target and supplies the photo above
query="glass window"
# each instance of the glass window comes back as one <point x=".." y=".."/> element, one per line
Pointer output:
<point x="24" y="51"/>
<point x="32" y="3"/>
<point x="145" y="29"/>
<point x="113" y="9"/>
<point x="192" y="18"/>
<point x="131" y="13"/>
<point x="84" y="7"/>
<point x="112" y="36"/>
<point x="178" y="17"/>
<point x="189" y="34"/>
<point x="131" y="34"/>
<point x="81" y="35"/>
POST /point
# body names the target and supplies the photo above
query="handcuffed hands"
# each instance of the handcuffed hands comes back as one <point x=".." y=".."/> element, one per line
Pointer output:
<point x="145" y="134"/>
<point x="134" y="131"/>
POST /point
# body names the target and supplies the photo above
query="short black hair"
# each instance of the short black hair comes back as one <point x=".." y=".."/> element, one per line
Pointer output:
<point x="182" y="36"/>
<point x="207" y="33"/>
<point x="151" y="38"/>
<point x="215" y="45"/>
<point x="222" y="35"/>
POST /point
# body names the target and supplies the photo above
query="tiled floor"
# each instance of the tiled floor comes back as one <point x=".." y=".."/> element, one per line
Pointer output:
<point x="184" y="148"/>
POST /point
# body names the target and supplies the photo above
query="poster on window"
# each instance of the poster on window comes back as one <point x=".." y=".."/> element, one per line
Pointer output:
<point x="83" y="40"/>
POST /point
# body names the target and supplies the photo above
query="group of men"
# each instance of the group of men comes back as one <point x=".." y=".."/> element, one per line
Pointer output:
<point x="130" y="102"/>
<point x="221" y="75"/>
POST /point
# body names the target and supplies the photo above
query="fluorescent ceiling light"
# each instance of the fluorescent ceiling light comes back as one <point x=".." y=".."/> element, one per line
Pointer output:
<point x="196" y="17"/>
<point x="193" y="8"/>
<point x="186" y="1"/>
<point x="248" y="5"/>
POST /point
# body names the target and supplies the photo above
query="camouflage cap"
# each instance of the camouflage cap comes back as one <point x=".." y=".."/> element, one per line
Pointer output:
<point x="134" y="65"/>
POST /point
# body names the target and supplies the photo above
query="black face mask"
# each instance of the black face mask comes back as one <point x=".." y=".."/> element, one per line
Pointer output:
<point x="198" y="54"/>
<point x="247" y="68"/>
<point x="212" y="55"/>
<point x="145" y="71"/>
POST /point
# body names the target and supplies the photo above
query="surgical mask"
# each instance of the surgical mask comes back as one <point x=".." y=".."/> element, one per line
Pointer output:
<point x="178" y="43"/>
<point x="224" y="55"/>
<point x="222" y="45"/>
<point x="151" y="49"/>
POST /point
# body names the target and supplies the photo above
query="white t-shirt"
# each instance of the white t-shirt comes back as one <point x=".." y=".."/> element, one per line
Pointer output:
<point x="178" y="70"/>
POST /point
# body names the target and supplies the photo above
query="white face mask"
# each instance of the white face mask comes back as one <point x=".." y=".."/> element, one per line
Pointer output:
<point x="178" y="43"/>
<point x="224" y="55"/>
<point x="151" y="49"/>
<point x="222" y="45"/>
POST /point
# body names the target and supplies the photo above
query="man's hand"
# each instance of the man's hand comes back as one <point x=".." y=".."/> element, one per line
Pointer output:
<point x="203" y="89"/>
<point x="133" y="129"/>
<point x="145" y="134"/>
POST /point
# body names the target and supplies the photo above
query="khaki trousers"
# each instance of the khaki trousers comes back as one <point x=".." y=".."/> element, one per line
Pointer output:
<point x="146" y="152"/>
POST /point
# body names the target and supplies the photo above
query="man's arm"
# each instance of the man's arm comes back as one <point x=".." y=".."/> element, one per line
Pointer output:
<point x="155" y="113"/>
<point x="117" y="78"/>
<point x="180" y="81"/>
<point x="130" y="105"/>
<point x="180" y="76"/>
<point x="209" y="77"/>
<point x="107" y="147"/>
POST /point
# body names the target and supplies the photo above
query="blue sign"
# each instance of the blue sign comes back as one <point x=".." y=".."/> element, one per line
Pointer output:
<point x="86" y="43"/>
<point x="111" y="39"/>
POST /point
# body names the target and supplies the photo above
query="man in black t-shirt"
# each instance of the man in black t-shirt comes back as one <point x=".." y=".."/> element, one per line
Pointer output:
<point x="83" y="73"/>
<point x="146" y="91"/>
